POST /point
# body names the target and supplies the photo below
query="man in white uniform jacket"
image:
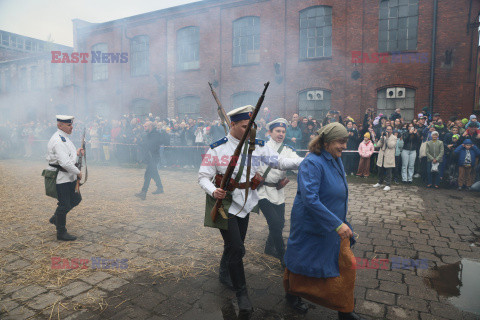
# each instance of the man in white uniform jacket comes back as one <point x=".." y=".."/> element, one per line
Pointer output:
<point x="234" y="229"/>
<point x="62" y="155"/>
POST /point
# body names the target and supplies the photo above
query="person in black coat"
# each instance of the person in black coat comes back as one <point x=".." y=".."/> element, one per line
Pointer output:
<point x="151" y="143"/>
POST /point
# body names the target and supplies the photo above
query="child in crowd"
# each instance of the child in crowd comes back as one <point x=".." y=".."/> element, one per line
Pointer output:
<point x="365" y="151"/>
<point x="467" y="154"/>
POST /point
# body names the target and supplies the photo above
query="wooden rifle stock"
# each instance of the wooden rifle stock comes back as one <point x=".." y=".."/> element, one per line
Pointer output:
<point x="221" y="112"/>
<point x="231" y="166"/>
<point x="77" y="186"/>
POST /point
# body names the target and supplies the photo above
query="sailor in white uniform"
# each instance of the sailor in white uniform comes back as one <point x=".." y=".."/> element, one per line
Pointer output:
<point x="62" y="156"/>
<point x="215" y="162"/>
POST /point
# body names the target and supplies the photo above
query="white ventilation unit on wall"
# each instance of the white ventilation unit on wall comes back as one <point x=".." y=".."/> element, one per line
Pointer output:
<point x="391" y="93"/>
<point x="400" y="92"/>
<point x="315" y="95"/>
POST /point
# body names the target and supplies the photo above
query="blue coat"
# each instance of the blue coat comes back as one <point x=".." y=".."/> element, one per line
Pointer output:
<point x="461" y="152"/>
<point x="320" y="206"/>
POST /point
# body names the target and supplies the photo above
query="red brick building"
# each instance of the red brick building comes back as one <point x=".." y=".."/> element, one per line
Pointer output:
<point x="31" y="87"/>
<point x="317" y="54"/>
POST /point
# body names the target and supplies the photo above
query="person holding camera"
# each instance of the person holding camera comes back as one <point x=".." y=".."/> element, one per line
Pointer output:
<point x="386" y="158"/>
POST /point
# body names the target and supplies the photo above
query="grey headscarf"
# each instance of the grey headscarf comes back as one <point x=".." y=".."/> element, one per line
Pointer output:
<point x="333" y="131"/>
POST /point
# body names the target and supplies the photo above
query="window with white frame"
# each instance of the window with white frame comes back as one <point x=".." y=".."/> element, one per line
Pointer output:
<point x="316" y="32"/>
<point x="246" y="40"/>
<point x="100" y="70"/>
<point x="188" y="48"/>
<point x="139" y="61"/>
<point x="188" y="106"/>
<point x="398" y="25"/>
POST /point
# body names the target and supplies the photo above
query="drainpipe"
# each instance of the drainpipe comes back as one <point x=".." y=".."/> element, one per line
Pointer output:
<point x="432" y="62"/>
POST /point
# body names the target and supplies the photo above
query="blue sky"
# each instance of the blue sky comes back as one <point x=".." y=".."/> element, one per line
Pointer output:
<point x="41" y="18"/>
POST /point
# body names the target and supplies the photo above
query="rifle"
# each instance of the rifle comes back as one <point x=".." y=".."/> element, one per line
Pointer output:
<point x="221" y="112"/>
<point x="79" y="164"/>
<point x="233" y="160"/>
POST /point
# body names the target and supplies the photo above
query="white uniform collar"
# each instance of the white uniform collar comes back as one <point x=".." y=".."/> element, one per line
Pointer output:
<point x="63" y="133"/>
<point x="232" y="138"/>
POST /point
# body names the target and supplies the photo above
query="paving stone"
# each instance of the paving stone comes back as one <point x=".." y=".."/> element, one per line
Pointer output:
<point x="19" y="313"/>
<point x="17" y="265"/>
<point x="7" y="305"/>
<point x="28" y="292"/>
<point x="446" y="251"/>
<point x="442" y="309"/>
<point x="172" y="308"/>
<point x="393" y="287"/>
<point x="380" y="296"/>
<point x="412" y="303"/>
<point x="400" y="313"/>
<point x="112" y="283"/>
<point x="419" y="291"/>
<point x="370" y="308"/>
<point x="75" y="288"/>
<point x="91" y="296"/>
<point x="390" y="275"/>
<point x="96" y="277"/>
<point x="44" y="300"/>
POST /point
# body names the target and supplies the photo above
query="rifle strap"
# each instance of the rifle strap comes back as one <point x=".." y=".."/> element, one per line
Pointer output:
<point x="251" y="148"/>
<point x="237" y="179"/>
<point x="265" y="174"/>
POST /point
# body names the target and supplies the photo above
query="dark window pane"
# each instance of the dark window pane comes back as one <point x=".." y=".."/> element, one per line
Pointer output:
<point x="412" y="44"/>
<point x="328" y="51"/>
<point x="412" y="33"/>
<point x="402" y="45"/>
<point x="383" y="36"/>
<point x="393" y="12"/>
<point x="403" y="11"/>
<point x="402" y="23"/>
<point x="393" y="3"/>
<point x="384" y="13"/>
<point x="402" y="2"/>
<point x="392" y="35"/>
<point x="402" y="34"/>
<point x="327" y="32"/>
<point x="383" y="25"/>
<point x="382" y="46"/>
<point x="392" y="24"/>
<point x="413" y="10"/>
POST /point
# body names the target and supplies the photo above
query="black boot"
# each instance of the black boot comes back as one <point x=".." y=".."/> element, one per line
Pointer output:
<point x="158" y="191"/>
<point x="349" y="316"/>
<point x="296" y="303"/>
<point x="223" y="273"/>
<point x="237" y="274"/>
<point x="52" y="220"/>
<point x="62" y="233"/>
<point x="270" y="248"/>
<point x="142" y="195"/>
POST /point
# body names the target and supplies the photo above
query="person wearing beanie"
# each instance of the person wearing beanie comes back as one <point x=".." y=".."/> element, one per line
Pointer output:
<point x="467" y="154"/>
<point x="474" y="120"/>
<point x="365" y="151"/>
<point x="435" y="152"/>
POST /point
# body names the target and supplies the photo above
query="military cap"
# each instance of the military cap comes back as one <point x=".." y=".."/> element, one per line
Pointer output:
<point x="64" y="118"/>
<point x="280" y="122"/>
<point x="242" y="113"/>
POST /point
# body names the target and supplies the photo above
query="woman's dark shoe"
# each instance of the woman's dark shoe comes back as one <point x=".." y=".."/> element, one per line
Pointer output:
<point x="349" y="316"/>
<point x="244" y="304"/>
<point x="52" y="220"/>
<point x="158" y="191"/>
<point x="296" y="303"/>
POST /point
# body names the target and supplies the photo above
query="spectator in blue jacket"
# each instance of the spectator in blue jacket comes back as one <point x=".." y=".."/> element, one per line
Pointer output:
<point x="467" y="154"/>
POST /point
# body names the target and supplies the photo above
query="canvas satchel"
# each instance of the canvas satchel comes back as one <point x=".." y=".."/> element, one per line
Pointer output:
<point x="335" y="293"/>
<point x="50" y="182"/>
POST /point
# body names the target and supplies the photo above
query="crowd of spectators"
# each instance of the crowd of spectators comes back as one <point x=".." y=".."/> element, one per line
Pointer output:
<point x="454" y="147"/>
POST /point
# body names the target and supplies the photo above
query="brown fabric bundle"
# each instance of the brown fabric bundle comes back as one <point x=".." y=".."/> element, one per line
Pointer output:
<point x="334" y="293"/>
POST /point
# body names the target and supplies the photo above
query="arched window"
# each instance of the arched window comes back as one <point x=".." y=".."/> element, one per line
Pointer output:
<point x="141" y="108"/>
<point x="397" y="26"/>
<point x="316" y="32"/>
<point x="139" y="50"/>
<point x="188" y="106"/>
<point x="314" y="102"/>
<point x="246" y="40"/>
<point x="389" y="99"/>
<point x="244" y="98"/>
<point x="99" y="70"/>
<point x="188" y="48"/>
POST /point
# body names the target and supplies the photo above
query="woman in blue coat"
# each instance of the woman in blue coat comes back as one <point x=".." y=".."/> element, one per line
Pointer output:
<point x="318" y="219"/>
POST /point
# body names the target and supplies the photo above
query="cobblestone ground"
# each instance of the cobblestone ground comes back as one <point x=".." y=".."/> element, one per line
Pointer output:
<point x="173" y="259"/>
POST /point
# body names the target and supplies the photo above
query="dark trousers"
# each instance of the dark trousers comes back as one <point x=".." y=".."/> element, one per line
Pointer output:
<point x="275" y="215"/>
<point x="397" y="171"/>
<point x="67" y="200"/>
<point x="234" y="249"/>
<point x="385" y="174"/>
<point x="432" y="177"/>
<point x="152" y="173"/>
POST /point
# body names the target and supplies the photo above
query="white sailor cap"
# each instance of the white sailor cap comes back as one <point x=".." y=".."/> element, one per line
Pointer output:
<point x="242" y="113"/>
<point x="280" y="122"/>
<point x="64" y="118"/>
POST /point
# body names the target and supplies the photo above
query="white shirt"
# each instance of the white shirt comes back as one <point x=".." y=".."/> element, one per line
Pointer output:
<point x="271" y="193"/>
<point x="61" y="151"/>
<point x="210" y="167"/>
